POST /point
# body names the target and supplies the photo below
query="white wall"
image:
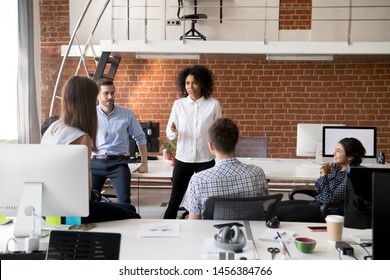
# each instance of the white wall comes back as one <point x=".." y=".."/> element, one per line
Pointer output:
<point x="326" y="25"/>
<point x="243" y="20"/>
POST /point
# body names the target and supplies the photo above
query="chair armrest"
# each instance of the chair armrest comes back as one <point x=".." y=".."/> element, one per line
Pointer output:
<point x="325" y="209"/>
<point x="95" y="196"/>
<point x="311" y="193"/>
<point x="98" y="197"/>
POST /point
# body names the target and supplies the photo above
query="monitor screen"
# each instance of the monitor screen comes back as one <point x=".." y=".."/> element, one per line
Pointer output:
<point x="381" y="210"/>
<point x="333" y="134"/>
<point x="309" y="137"/>
<point x="152" y="133"/>
<point x="60" y="170"/>
<point x="359" y="196"/>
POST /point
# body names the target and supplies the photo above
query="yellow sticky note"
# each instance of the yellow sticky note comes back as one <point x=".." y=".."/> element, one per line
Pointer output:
<point x="53" y="220"/>
<point x="3" y="219"/>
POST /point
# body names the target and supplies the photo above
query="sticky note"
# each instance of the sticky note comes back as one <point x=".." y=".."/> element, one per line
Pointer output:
<point x="3" y="219"/>
<point x="53" y="220"/>
<point x="73" y="220"/>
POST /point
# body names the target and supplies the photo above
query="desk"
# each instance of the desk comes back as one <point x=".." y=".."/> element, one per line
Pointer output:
<point x="278" y="169"/>
<point x="274" y="168"/>
<point x="158" y="169"/>
<point x="190" y="244"/>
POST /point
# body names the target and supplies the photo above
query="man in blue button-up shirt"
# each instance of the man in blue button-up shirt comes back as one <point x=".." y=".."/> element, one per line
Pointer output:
<point x="116" y="125"/>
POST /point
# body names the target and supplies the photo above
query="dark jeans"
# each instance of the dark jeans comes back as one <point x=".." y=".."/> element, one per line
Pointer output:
<point x="300" y="211"/>
<point x="109" y="211"/>
<point x="117" y="171"/>
<point x="182" y="173"/>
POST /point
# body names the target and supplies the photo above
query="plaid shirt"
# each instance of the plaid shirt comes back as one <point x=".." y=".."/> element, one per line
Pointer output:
<point x="229" y="177"/>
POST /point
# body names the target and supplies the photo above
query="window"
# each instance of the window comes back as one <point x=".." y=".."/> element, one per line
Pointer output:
<point x="8" y="72"/>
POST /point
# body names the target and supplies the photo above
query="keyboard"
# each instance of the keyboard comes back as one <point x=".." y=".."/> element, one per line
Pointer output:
<point x="362" y="238"/>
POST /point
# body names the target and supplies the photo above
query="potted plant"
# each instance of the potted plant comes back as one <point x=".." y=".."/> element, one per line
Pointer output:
<point x="168" y="147"/>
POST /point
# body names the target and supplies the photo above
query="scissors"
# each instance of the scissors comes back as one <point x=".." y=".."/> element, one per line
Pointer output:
<point x="273" y="251"/>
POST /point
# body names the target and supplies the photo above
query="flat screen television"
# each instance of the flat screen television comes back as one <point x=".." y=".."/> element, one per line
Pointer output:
<point x="309" y="139"/>
<point x="43" y="180"/>
<point x="152" y="133"/>
<point x="333" y="134"/>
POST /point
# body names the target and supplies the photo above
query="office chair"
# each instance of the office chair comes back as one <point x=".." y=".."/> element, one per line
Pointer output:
<point x="255" y="147"/>
<point x="326" y="208"/>
<point x="192" y="33"/>
<point x="76" y="245"/>
<point x="260" y="208"/>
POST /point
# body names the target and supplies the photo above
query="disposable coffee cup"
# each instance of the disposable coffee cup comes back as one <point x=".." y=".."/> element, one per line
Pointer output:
<point x="335" y="225"/>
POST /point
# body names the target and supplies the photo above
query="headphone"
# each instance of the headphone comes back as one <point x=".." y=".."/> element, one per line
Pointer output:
<point x="230" y="238"/>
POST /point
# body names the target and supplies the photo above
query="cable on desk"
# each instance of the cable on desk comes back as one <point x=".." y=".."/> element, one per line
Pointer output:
<point x="7" y="251"/>
<point x="364" y="245"/>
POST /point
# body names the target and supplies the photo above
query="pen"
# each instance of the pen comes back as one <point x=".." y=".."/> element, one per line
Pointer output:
<point x="282" y="243"/>
<point x="283" y="233"/>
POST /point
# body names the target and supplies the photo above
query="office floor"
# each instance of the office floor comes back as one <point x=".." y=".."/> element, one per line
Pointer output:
<point x="153" y="200"/>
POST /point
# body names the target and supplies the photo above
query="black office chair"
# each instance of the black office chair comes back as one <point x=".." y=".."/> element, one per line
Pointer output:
<point x="260" y="208"/>
<point x="326" y="208"/>
<point x="192" y="33"/>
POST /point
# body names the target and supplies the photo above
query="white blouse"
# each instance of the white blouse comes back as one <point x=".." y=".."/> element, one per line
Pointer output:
<point x="192" y="120"/>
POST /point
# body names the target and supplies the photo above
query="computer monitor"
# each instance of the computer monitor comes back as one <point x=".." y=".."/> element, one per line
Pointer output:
<point x="358" y="207"/>
<point x="381" y="210"/>
<point x="43" y="180"/>
<point x="333" y="134"/>
<point x="309" y="139"/>
<point x="152" y="133"/>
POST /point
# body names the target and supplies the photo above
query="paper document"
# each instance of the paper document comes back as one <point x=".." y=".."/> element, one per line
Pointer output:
<point x="159" y="230"/>
<point x="212" y="252"/>
<point x="272" y="235"/>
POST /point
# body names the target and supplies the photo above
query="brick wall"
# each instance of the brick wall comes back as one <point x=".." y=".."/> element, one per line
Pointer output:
<point x="295" y="14"/>
<point x="265" y="98"/>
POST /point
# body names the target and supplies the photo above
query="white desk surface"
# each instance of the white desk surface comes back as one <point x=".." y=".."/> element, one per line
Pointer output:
<point x="156" y="169"/>
<point x="274" y="168"/>
<point x="190" y="244"/>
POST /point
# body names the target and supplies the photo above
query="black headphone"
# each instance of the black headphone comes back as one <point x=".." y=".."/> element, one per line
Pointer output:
<point x="230" y="238"/>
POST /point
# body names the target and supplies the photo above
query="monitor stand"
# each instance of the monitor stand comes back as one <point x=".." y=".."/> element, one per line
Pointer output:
<point x="319" y="159"/>
<point x="28" y="221"/>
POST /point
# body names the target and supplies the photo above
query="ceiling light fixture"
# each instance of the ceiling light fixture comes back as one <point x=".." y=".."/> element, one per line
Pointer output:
<point x="168" y="56"/>
<point x="307" y="57"/>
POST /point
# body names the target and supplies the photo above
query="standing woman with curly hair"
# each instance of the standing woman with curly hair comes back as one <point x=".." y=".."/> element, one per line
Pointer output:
<point x="190" y="119"/>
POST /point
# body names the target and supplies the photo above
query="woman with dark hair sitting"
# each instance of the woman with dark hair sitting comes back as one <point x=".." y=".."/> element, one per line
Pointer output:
<point x="330" y="186"/>
<point x="77" y="125"/>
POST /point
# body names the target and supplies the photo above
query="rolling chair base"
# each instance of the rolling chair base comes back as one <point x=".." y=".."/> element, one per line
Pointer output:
<point x="193" y="34"/>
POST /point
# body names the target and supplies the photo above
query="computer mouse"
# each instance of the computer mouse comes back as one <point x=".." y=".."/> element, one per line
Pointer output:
<point x="273" y="222"/>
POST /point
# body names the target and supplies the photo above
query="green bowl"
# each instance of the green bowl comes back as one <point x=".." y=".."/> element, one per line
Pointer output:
<point x="305" y="244"/>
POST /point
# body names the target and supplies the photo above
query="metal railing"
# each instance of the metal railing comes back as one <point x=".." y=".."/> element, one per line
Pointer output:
<point x="83" y="52"/>
<point x="266" y="14"/>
